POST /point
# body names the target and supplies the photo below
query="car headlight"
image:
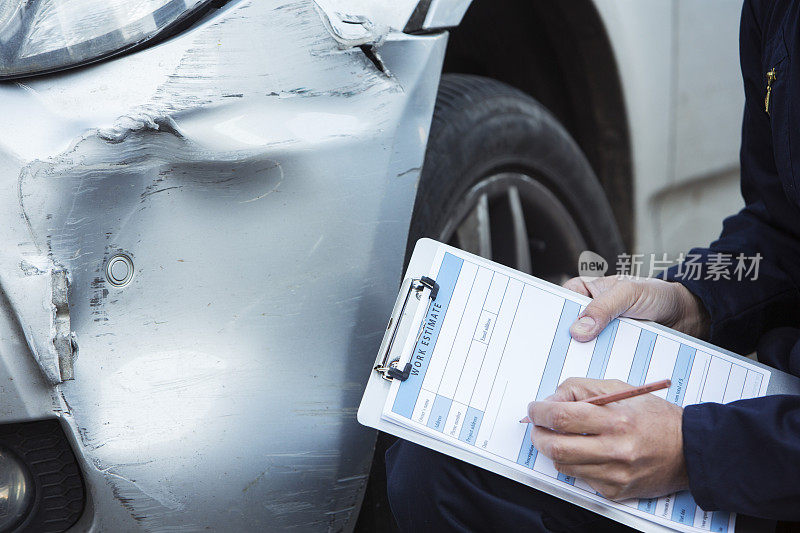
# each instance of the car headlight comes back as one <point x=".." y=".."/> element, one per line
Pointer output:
<point x="38" y="36"/>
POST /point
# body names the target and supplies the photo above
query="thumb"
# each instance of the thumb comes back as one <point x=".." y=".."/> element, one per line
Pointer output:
<point x="607" y="305"/>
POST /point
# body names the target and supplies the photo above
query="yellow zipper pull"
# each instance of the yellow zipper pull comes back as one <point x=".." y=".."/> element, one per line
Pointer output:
<point x="771" y="77"/>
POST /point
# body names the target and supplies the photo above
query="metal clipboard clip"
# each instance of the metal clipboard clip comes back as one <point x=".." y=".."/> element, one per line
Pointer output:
<point x="388" y="369"/>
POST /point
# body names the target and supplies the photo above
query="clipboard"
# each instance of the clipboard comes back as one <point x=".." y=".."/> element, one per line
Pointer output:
<point x="417" y="292"/>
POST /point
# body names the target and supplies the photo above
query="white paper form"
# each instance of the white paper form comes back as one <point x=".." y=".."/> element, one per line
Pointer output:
<point x="495" y="339"/>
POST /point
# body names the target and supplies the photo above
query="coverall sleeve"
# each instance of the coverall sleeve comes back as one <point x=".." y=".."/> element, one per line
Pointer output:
<point x="744" y="456"/>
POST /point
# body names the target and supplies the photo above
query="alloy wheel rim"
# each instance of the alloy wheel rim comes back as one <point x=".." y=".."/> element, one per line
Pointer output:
<point x="514" y="219"/>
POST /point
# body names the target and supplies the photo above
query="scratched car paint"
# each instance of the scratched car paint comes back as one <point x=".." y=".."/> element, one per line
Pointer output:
<point x="259" y="170"/>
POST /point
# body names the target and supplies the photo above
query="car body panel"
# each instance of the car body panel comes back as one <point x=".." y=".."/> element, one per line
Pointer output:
<point x="709" y="90"/>
<point x="374" y="17"/>
<point x="261" y="178"/>
<point x="684" y="99"/>
<point x="445" y="13"/>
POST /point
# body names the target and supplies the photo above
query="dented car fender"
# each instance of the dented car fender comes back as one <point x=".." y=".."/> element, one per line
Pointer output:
<point x="258" y="172"/>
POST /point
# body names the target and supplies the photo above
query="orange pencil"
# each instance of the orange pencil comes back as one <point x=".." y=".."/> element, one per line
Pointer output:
<point x="603" y="399"/>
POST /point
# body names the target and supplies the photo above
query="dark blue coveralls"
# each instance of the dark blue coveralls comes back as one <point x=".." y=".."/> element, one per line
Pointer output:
<point x="742" y="457"/>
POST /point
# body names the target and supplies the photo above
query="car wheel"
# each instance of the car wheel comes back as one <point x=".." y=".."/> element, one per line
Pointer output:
<point x="503" y="179"/>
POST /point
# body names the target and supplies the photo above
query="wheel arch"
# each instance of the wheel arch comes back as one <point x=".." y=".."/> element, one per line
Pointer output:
<point x="559" y="53"/>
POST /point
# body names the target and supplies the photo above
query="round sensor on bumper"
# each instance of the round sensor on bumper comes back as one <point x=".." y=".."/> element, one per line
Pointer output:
<point x="119" y="270"/>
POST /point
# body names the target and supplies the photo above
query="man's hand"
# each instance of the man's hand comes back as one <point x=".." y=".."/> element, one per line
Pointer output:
<point x="632" y="448"/>
<point x="653" y="299"/>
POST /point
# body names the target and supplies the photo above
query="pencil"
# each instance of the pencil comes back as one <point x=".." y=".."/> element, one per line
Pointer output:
<point x="603" y="399"/>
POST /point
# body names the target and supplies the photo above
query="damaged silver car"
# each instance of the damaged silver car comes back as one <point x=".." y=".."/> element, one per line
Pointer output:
<point x="205" y="208"/>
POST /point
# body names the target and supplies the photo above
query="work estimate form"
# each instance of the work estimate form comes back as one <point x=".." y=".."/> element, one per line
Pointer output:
<point x="495" y="340"/>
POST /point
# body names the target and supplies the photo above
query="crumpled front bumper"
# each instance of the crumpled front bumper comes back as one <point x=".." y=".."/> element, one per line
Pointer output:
<point x="260" y="175"/>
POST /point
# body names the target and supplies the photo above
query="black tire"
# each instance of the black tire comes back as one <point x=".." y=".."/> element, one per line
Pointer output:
<point x="482" y="128"/>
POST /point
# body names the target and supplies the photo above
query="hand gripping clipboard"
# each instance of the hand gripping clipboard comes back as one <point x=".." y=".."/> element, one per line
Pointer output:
<point x="417" y="293"/>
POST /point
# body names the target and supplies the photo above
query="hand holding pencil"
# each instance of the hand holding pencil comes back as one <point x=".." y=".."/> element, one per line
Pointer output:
<point x="603" y="399"/>
<point x="620" y="440"/>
